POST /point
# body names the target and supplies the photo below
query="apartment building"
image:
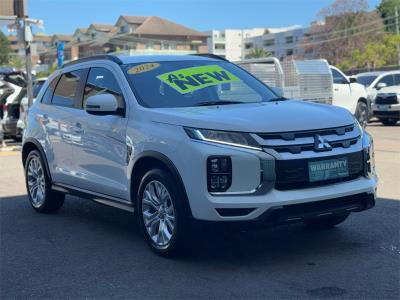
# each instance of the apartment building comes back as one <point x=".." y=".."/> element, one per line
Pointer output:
<point x="130" y="35"/>
<point x="229" y="43"/>
<point x="279" y="42"/>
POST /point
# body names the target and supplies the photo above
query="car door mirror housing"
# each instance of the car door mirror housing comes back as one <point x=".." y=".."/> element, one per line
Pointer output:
<point x="381" y="85"/>
<point x="353" y="80"/>
<point x="102" y="104"/>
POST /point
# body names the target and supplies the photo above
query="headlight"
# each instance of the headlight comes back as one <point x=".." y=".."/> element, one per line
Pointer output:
<point x="236" y="139"/>
<point x="369" y="155"/>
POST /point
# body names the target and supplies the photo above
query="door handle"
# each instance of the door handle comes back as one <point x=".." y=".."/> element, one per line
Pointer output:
<point x="77" y="128"/>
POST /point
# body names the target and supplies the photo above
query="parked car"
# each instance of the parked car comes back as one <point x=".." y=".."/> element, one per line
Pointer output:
<point x="23" y="107"/>
<point x="386" y="106"/>
<point x="311" y="80"/>
<point x="351" y="95"/>
<point x="374" y="81"/>
<point x="10" y="101"/>
<point x="182" y="139"/>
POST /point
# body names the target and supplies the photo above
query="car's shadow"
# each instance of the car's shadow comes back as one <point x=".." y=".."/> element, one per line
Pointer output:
<point x="209" y="244"/>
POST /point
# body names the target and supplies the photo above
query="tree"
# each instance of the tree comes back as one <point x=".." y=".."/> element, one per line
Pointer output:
<point x="258" y="53"/>
<point x="342" y="28"/>
<point x="387" y="10"/>
<point x="375" y="54"/>
<point x="4" y="49"/>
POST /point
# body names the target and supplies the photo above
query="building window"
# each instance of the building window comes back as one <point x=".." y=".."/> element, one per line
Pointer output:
<point x="165" y="46"/>
<point x="219" y="46"/>
<point x="194" y="47"/>
<point x="289" y="39"/>
<point x="223" y="35"/>
<point x="249" y="45"/>
<point x="289" y="52"/>
<point x="270" y="42"/>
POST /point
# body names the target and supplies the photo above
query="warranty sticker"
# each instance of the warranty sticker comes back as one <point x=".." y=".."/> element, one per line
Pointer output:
<point x="195" y="78"/>
<point x="143" y="68"/>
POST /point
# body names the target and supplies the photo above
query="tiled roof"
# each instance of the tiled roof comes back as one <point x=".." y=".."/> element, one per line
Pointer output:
<point x="103" y="27"/>
<point x="62" y="37"/>
<point x="158" y="26"/>
<point x="134" y="19"/>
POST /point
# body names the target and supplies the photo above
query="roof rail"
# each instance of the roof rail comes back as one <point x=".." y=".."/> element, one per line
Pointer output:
<point x="210" y="56"/>
<point x="94" y="57"/>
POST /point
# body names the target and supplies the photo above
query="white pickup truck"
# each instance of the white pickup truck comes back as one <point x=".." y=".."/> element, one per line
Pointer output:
<point x="351" y="95"/>
<point x="312" y="80"/>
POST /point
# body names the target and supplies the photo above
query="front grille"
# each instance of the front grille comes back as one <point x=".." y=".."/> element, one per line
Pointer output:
<point x="304" y="211"/>
<point x="293" y="174"/>
<point x="386" y="99"/>
<point x="298" y="141"/>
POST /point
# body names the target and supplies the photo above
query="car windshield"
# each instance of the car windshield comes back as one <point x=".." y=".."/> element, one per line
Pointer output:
<point x="366" y="80"/>
<point x="194" y="83"/>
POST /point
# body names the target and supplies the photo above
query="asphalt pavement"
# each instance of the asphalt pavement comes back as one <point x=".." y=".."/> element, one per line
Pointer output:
<point x="87" y="250"/>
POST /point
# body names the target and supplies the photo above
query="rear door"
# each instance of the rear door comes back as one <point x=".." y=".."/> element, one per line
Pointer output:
<point x="100" y="158"/>
<point x="58" y="119"/>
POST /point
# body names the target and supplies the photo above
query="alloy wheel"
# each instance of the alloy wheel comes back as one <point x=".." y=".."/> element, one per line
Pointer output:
<point x="158" y="213"/>
<point x="36" y="182"/>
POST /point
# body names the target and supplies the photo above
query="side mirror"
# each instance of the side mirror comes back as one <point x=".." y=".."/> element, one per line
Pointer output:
<point x="102" y="104"/>
<point x="353" y="80"/>
<point x="381" y="85"/>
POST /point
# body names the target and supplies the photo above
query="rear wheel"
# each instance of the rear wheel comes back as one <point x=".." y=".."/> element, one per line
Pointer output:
<point x="38" y="185"/>
<point x="162" y="215"/>
<point x="389" y="122"/>
<point x="325" y="222"/>
<point x="362" y="114"/>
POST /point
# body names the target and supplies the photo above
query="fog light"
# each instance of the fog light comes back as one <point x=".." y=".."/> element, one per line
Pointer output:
<point x="219" y="173"/>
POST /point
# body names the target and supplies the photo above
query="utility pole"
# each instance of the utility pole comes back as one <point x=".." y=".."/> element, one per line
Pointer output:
<point x="28" y="61"/>
<point x="396" y="14"/>
<point x="20" y="7"/>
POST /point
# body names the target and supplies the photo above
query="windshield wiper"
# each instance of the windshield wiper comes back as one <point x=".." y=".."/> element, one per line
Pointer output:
<point x="209" y="103"/>
<point x="279" y="99"/>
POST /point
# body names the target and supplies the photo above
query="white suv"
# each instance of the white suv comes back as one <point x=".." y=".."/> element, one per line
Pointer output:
<point x="184" y="138"/>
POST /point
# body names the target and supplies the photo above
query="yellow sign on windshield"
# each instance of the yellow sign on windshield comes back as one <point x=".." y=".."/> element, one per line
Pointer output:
<point x="195" y="78"/>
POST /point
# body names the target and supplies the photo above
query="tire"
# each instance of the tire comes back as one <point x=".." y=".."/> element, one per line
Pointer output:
<point x="325" y="222"/>
<point x="389" y="122"/>
<point x="165" y="216"/>
<point x="362" y="114"/>
<point x="42" y="198"/>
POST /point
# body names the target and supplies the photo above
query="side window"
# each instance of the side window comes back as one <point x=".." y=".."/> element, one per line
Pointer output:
<point x="388" y="79"/>
<point x="67" y="89"/>
<point x="46" y="99"/>
<point x="396" y="79"/>
<point x="338" y="78"/>
<point x="102" y="81"/>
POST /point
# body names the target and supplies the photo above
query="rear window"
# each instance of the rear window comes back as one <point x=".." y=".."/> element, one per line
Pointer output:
<point x="194" y="83"/>
<point x="67" y="89"/>
<point x="36" y="88"/>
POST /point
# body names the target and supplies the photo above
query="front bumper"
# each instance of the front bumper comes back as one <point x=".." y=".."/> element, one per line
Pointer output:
<point x="254" y="207"/>
<point x="386" y="111"/>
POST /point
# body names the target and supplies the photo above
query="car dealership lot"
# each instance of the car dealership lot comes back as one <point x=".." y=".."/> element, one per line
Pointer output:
<point x="88" y="250"/>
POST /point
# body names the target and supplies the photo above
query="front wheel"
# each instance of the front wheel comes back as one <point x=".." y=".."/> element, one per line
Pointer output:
<point x="325" y="222"/>
<point x="41" y="197"/>
<point x="362" y="114"/>
<point x="162" y="214"/>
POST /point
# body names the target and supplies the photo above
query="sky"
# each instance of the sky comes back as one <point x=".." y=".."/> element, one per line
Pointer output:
<point x="64" y="16"/>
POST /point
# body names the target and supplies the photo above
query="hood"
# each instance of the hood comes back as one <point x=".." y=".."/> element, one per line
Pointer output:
<point x="289" y="115"/>
<point x="390" y="90"/>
